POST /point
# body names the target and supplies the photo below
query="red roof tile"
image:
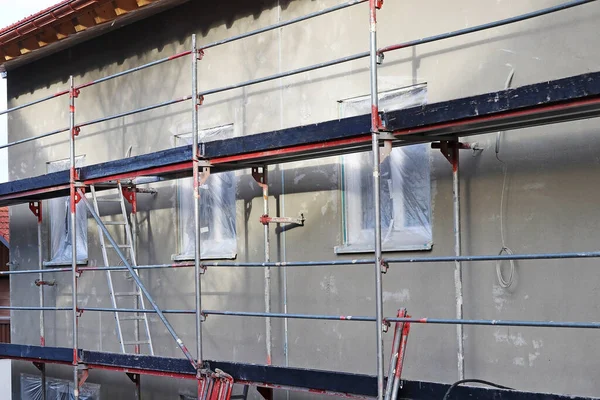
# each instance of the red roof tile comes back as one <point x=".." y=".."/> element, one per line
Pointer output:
<point x="33" y="16"/>
<point x="65" y="19"/>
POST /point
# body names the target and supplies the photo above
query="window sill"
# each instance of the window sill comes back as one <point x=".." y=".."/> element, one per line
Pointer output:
<point x="187" y="257"/>
<point x="63" y="263"/>
<point x="357" y="248"/>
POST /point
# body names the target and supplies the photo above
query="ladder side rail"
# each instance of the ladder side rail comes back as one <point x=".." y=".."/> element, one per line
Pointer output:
<point x="129" y="242"/>
<point x="139" y="299"/>
<point x="111" y="288"/>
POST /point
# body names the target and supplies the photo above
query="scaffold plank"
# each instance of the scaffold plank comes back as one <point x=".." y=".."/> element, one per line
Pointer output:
<point x="348" y="384"/>
<point x="561" y="100"/>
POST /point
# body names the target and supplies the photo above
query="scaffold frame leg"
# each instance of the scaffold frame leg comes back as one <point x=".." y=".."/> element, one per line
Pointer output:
<point x="375" y="126"/>
<point x="261" y="176"/>
<point x="196" y="201"/>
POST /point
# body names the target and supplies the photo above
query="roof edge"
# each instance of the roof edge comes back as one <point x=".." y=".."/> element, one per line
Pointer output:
<point x="68" y="23"/>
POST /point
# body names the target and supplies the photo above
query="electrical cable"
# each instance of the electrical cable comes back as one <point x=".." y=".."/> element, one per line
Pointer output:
<point x="505" y="283"/>
<point x="458" y="383"/>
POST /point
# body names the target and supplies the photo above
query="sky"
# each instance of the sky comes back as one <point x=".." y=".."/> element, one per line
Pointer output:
<point x="12" y="11"/>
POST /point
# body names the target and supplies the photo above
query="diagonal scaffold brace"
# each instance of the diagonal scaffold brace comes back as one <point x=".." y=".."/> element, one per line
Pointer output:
<point x="137" y="280"/>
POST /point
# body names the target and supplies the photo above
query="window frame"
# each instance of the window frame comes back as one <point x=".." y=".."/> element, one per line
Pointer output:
<point x="407" y="238"/>
<point x="81" y="213"/>
<point x="185" y="185"/>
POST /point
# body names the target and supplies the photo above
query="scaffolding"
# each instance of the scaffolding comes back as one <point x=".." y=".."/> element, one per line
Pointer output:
<point x="378" y="132"/>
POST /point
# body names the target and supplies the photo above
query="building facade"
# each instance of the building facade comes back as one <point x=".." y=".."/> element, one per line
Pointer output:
<point x="531" y="190"/>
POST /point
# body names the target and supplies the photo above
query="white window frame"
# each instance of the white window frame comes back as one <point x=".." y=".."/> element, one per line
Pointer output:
<point x="398" y="234"/>
<point x="222" y="241"/>
<point x="60" y="248"/>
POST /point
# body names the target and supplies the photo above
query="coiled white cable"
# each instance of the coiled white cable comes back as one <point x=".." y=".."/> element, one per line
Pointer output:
<point x="505" y="283"/>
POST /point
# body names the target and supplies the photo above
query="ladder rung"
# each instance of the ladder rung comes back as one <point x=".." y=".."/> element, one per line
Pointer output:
<point x="108" y="200"/>
<point x="131" y="319"/>
<point x="127" y="294"/>
<point x="134" y="342"/>
<point x="114" y="223"/>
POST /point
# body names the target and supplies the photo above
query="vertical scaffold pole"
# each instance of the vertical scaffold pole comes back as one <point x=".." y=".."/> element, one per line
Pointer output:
<point x="260" y="175"/>
<point x="197" y="230"/>
<point x="375" y="124"/>
<point x="73" y="207"/>
<point x="37" y="209"/>
<point x="41" y="277"/>
<point x="265" y="190"/>
<point x="457" y="251"/>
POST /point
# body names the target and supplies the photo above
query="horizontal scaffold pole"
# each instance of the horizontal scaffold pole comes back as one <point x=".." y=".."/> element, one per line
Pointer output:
<point x="329" y="263"/>
<point x="412" y="43"/>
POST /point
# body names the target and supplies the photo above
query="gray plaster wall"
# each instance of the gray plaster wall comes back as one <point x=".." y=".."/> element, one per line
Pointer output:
<point x="550" y="200"/>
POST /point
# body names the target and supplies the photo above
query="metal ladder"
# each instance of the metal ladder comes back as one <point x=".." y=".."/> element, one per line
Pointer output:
<point x="135" y="294"/>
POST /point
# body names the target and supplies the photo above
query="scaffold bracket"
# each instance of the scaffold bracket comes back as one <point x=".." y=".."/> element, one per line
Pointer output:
<point x="447" y="148"/>
<point x="204" y="175"/>
<point x="385" y="266"/>
<point x="203" y="269"/>
<point x="202" y="163"/>
<point x="83" y="373"/>
<point x="260" y="175"/>
<point x="386" y="325"/>
<point x="266" y="220"/>
<point x="135" y="378"/>
<point x="385" y="150"/>
<point x="39" y="282"/>
<point x="77" y="197"/>
<point x="36" y="209"/>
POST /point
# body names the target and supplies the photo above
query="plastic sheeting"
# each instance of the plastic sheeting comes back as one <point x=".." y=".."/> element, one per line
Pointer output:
<point x="405" y="185"/>
<point x="217" y="208"/>
<point x="56" y="389"/>
<point x="60" y="222"/>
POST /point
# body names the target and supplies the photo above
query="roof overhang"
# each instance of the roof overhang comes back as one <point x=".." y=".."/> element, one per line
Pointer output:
<point x="68" y="23"/>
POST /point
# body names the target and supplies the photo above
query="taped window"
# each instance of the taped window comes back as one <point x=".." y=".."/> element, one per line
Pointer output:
<point x="217" y="207"/>
<point x="56" y="389"/>
<point x="405" y="185"/>
<point x="60" y="222"/>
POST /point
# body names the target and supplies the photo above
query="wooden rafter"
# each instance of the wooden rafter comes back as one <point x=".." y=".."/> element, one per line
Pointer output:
<point x="85" y="20"/>
<point x="47" y="36"/>
<point x="143" y="3"/>
<point x="105" y="13"/>
<point x="125" y="6"/>
<point x="86" y="15"/>
<point x="11" y="50"/>
<point x="64" y="29"/>
<point x="29" y="44"/>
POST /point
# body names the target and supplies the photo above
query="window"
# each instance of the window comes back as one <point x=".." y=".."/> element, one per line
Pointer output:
<point x="405" y="185"/>
<point x="217" y="207"/>
<point x="56" y="389"/>
<point x="60" y="223"/>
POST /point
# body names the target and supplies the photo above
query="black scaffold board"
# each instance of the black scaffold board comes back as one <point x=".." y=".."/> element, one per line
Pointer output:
<point x="285" y="377"/>
<point x="561" y="100"/>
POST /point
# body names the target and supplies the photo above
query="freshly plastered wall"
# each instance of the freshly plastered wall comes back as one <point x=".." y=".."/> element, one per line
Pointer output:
<point x="549" y="199"/>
